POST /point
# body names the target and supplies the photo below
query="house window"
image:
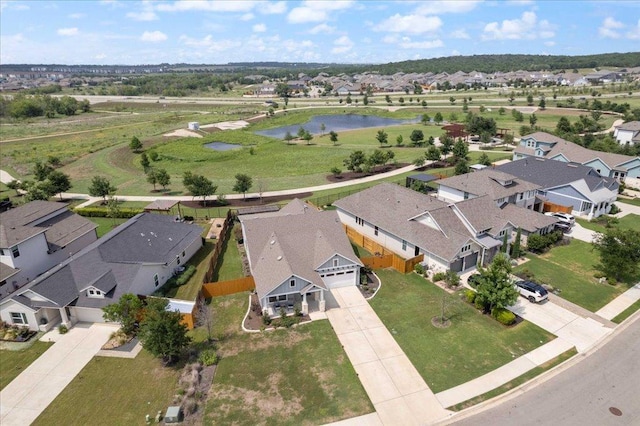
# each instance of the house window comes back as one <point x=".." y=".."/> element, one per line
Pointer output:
<point x="466" y="195"/>
<point x="15" y="251"/>
<point x="335" y="262"/>
<point x="359" y="221"/>
<point x="404" y="245"/>
<point x="177" y="260"/>
<point x="183" y="253"/>
<point x="156" y="281"/>
<point x="273" y="299"/>
<point x="375" y="230"/>
<point x="4" y="252"/>
<point x="416" y="251"/>
<point x="92" y="293"/>
<point x="502" y="233"/>
<point x="520" y="196"/>
<point x="19" y="318"/>
<point x="466" y="248"/>
<point x="282" y="297"/>
<point x="292" y="283"/>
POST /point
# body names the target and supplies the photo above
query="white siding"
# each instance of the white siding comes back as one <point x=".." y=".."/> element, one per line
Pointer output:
<point x="86" y="314"/>
<point x="451" y="194"/>
<point x="11" y="306"/>
<point x="33" y="260"/>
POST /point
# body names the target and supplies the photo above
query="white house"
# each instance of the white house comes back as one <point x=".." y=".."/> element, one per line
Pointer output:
<point x="37" y="236"/>
<point x="137" y="257"/>
<point x="627" y="133"/>
<point x="296" y="255"/>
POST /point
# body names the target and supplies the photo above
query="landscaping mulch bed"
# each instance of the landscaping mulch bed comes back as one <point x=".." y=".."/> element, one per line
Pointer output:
<point x="248" y="202"/>
<point x="345" y="176"/>
<point x="370" y="288"/>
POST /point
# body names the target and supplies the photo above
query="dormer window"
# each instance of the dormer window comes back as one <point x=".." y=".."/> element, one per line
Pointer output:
<point x="466" y="248"/>
<point x="92" y="292"/>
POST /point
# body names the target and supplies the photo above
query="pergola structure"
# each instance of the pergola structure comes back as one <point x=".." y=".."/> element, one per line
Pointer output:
<point x="164" y="206"/>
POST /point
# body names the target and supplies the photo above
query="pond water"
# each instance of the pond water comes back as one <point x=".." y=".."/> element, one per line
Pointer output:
<point x="222" y="146"/>
<point x="336" y="123"/>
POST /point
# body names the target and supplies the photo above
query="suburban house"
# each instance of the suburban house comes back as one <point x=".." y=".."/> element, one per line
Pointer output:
<point x="499" y="186"/>
<point x="296" y="255"/>
<point x="37" y="236"/>
<point x="449" y="236"/>
<point x="566" y="184"/>
<point x="137" y="257"/>
<point x="545" y="145"/>
<point x="627" y="133"/>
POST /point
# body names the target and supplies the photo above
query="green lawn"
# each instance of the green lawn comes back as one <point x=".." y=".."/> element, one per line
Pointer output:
<point x="285" y="377"/>
<point x="633" y="201"/>
<point x="360" y="251"/>
<point x="627" y="312"/>
<point x="114" y="391"/>
<point x="229" y="266"/>
<point x="473" y="345"/>
<point x="630" y="221"/>
<point x="13" y="363"/>
<point x="571" y="269"/>
<point x="189" y="290"/>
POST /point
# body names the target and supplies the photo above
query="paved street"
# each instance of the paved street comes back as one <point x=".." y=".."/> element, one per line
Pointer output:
<point x="581" y="395"/>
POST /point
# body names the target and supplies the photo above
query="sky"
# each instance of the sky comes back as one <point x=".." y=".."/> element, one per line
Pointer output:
<point x="129" y="32"/>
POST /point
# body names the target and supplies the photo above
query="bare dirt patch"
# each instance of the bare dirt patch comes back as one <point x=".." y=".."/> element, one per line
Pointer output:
<point x="183" y="133"/>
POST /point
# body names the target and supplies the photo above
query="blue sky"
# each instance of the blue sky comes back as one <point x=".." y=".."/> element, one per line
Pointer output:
<point x="214" y="32"/>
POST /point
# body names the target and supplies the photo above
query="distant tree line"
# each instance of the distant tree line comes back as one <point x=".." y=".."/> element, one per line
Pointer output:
<point x="29" y="106"/>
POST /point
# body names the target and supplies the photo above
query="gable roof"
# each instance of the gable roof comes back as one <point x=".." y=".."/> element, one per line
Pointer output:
<point x="112" y="262"/>
<point x="488" y="182"/>
<point x="632" y="126"/>
<point x="293" y="244"/>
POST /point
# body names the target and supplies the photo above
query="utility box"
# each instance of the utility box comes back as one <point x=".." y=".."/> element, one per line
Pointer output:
<point x="194" y="125"/>
<point x="173" y="415"/>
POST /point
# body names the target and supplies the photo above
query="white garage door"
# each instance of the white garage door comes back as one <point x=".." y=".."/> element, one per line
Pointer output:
<point x="87" y="315"/>
<point x="340" y="279"/>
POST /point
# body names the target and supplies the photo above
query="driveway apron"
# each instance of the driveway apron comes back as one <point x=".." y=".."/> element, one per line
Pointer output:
<point x="395" y="387"/>
<point x="22" y="400"/>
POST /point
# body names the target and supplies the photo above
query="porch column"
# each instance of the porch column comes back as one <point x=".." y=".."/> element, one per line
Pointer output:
<point x="305" y="305"/>
<point x="322" y="304"/>
<point x="65" y="318"/>
<point x="591" y="211"/>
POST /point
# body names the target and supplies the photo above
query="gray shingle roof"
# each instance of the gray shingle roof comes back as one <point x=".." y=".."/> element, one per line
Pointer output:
<point x="293" y="244"/>
<point x="487" y="182"/>
<point x="7" y="271"/>
<point x="631" y="125"/>
<point x="526" y="219"/>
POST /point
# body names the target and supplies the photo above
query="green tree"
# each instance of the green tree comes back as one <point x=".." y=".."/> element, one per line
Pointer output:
<point x="336" y="171"/>
<point x="125" y="311"/>
<point x="59" y="181"/>
<point x="495" y="287"/>
<point x="41" y="171"/>
<point x="243" y="184"/>
<point x="438" y="118"/>
<point x="563" y="126"/>
<point x="323" y="127"/>
<point x="113" y="209"/>
<point x="515" y="250"/>
<point x="199" y="186"/>
<point x="517" y="115"/>
<point x="425" y="119"/>
<point x="333" y="137"/>
<point x="530" y="99"/>
<point x="162" y="177"/>
<point x="460" y="150"/>
<point x="101" y="187"/>
<point x="484" y="159"/>
<point x="462" y="167"/>
<point x="502" y="111"/>
<point x="135" y="144"/>
<point x="399" y="140"/>
<point x="382" y="137"/>
<point x="533" y="120"/>
<point x="355" y="161"/>
<point x="542" y="104"/>
<point x="452" y="100"/>
<point x="144" y="161"/>
<point x="288" y="137"/>
<point x="377" y="157"/>
<point x="417" y="137"/>
<point x="619" y="251"/>
<point x="447" y="145"/>
<point x="152" y="177"/>
<point x="433" y="154"/>
<point x="387" y="99"/>
<point x="162" y="332"/>
<point x="307" y="137"/>
<point x="365" y="100"/>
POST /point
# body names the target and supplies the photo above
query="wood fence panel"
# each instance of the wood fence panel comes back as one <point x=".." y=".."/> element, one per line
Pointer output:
<point x="223" y="288"/>
<point x="377" y="262"/>
<point x="552" y="207"/>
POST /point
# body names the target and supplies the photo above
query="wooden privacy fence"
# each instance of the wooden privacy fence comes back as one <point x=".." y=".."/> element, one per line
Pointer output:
<point x="223" y="288"/>
<point x="224" y="236"/>
<point x="377" y="262"/>
<point x="552" y="207"/>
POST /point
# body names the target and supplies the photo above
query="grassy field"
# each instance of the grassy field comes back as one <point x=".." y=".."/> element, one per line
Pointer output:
<point x="229" y="266"/>
<point x="473" y="345"/>
<point x="627" y="312"/>
<point x="189" y="290"/>
<point x="630" y="221"/>
<point x="286" y="377"/>
<point x="13" y="363"/>
<point x="633" y="201"/>
<point x="571" y="269"/>
<point x="114" y="391"/>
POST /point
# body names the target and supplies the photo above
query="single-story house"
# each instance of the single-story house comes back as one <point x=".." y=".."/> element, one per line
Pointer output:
<point x="37" y="236"/>
<point x="137" y="257"/>
<point x="567" y="184"/>
<point x="297" y="255"/>
<point x="627" y="133"/>
<point x="545" y="145"/>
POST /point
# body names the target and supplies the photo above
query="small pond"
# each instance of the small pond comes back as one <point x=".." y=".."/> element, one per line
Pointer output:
<point x="336" y="123"/>
<point x="222" y="146"/>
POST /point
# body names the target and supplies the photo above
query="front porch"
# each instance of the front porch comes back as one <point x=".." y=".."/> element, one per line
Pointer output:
<point x="312" y="301"/>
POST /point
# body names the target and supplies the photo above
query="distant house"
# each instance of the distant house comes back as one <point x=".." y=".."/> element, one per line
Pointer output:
<point x="37" y="236"/>
<point x="499" y="186"/>
<point x="545" y="145"/>
<point x="567" y="184"/>
<point x="137" y="257"/>
<point x="628" y="133"/>
<point x="296" y="255"/>
<point x="451" y="236"/>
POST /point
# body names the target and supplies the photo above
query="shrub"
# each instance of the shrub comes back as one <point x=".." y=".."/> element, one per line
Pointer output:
<point x="479" y="304"/>
<point x="540" y="243"/>
<point x="614" y="209"/>
<point x="419" y="269"/>
<point x="62" y="329"/>
<point x="470" y="295"/>
<point x="598" y="275"/>
<point x="123" y="213"/>
<point x="526" y="274"/>
<point x="266" y="320"/>
<point x="186" y="275"/>
<point x="188" y="218"/>
<point x="439" y="276"/>
<point x="504" y="316"/>
<point x="208" y="357"/>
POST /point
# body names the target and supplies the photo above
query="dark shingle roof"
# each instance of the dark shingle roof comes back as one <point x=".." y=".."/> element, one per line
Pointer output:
<point x="489" y="182"/>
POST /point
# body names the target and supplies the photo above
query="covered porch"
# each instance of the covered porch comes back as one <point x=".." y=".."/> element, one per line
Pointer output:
<point x="308" y="300"/>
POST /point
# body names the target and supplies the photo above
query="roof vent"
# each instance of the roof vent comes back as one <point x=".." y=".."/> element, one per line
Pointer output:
<point x="279" y="258"/>
<point x="272" y="242"/>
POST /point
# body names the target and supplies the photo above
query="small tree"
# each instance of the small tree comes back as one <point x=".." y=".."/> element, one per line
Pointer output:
<point x="355" y="161"/>
<point x="288" y="137"/>
<point x="484" y="159"/>
<point x="243" y="184"/>
<point x="447" y="145"/>
<point x="199" y="186"/>
<point x="502" y="111"/>
<point x="460" y="150"/>
<point x="161" y="331"/>
<point x="323" y="127"/>
<point x="163" y="178"/>
<point x="382" y="137"/>
<point x="462" y="167"/>
<point x="333" y="137"/>
<point x="495" y="287"/>
<point x="399" y="140"/>
<point x="204" y="318"/>
<point x="433" y="154"/>
<point x="533" y="120"/>
<point x="336" y="171"/>
<point x="135" y="144"/>
<point x="619" y="251"/>
<point x="101" y="187"/>
<point x="41" y="171"/>
<point x="438" y="118"/>
<point x="59" y="182"/>
<point x="425" y="119"/>
<point x="308" y="137"/>
<point x="530" y="99"/>
<point x="417" y="137"/>
<point x="144" y="161"/>
<point x="125" y="311"/>
<point x="15" y="185"/>
<point x="152" y="178"/>
<point x="515" y="250"/>
<point x="505" y="243"/>
<point x="113" y="209"/>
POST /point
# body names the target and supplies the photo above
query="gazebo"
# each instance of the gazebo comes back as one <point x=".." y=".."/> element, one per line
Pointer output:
<point x="163" y="206"/>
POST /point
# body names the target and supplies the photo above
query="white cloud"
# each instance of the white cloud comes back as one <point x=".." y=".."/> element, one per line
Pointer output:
<point x="153" y="36"/>
<point x="342" y="45"/>
<point x="143" y="15"/>
<point x="77" y="15"/>
<point x="68" y="31"/>
<point x="440" y="7"/>
<point x="390" y="38"/>
<point x="526" y="27"/>
<point x="210" y="44"/>
<point x="275" y="8"/>
<point x="634" y="34"/>
<point x="609" y="28"/>
<point x="455" y="53"/>
<point x="316" y="11"/>
<point x="259" y="28"/>
<point x="207" y="6"/>
<point x="550" y="43"/>
<point x="462" y="34"/>
<point x="12" y="5"/>
<point x="100" y="56"/>
<point x="410" y="24"/>
<point x="322" y="29"/>
<point x="247" y="16"/>
<point x="407" y="43"/>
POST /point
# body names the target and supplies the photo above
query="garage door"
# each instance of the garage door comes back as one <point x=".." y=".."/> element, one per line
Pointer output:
<point x="87" y="315"/>
<point x="471" y="260"/>
<point x="340" y="279"/>
<point x="456" y="266"/>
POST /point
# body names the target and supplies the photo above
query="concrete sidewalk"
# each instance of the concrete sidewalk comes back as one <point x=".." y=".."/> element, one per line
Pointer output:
<point x="620" y="303"/>
<point x="395" y="387"/>
<point x="22" y="400"/>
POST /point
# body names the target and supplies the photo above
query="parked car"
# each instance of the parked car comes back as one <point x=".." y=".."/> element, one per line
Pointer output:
<point x="532" y="291"/>
<point x="563" y="217"/>
<point x="473" y="280"/>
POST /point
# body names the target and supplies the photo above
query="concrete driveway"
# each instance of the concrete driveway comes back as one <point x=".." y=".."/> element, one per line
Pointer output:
<point x="22" y="400"/>
<point x="395" y="387"/>
<point x="581" y="332"/>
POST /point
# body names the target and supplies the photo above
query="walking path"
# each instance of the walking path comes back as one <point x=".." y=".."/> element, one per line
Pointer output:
<point x="22" y="400"/>
<point x="620" y="303"/>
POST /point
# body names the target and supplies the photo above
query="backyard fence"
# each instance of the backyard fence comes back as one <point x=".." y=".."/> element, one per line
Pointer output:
<point x="224" y="236"/>
<point x="552" y="207"/>
<point x="223" y="288"/>
<point x="378" y="262"/>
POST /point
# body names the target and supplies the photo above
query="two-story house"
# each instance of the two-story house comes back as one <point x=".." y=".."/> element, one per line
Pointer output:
<point x="627" y="133"/>
<point x="37" y="236"/>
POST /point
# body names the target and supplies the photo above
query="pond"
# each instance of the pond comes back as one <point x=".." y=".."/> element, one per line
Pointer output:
<point x="222" y="146"/>
<point x="336" y="123"/>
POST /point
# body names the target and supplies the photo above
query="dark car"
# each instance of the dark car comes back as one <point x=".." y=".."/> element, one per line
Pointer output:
<point x="532" y="291"/>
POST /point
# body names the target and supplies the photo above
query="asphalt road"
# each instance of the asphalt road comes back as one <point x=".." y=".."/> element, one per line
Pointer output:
<point x="585" y="394"/>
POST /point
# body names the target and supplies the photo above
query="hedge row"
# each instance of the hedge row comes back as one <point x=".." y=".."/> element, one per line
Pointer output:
<point x="122" y="213"/>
